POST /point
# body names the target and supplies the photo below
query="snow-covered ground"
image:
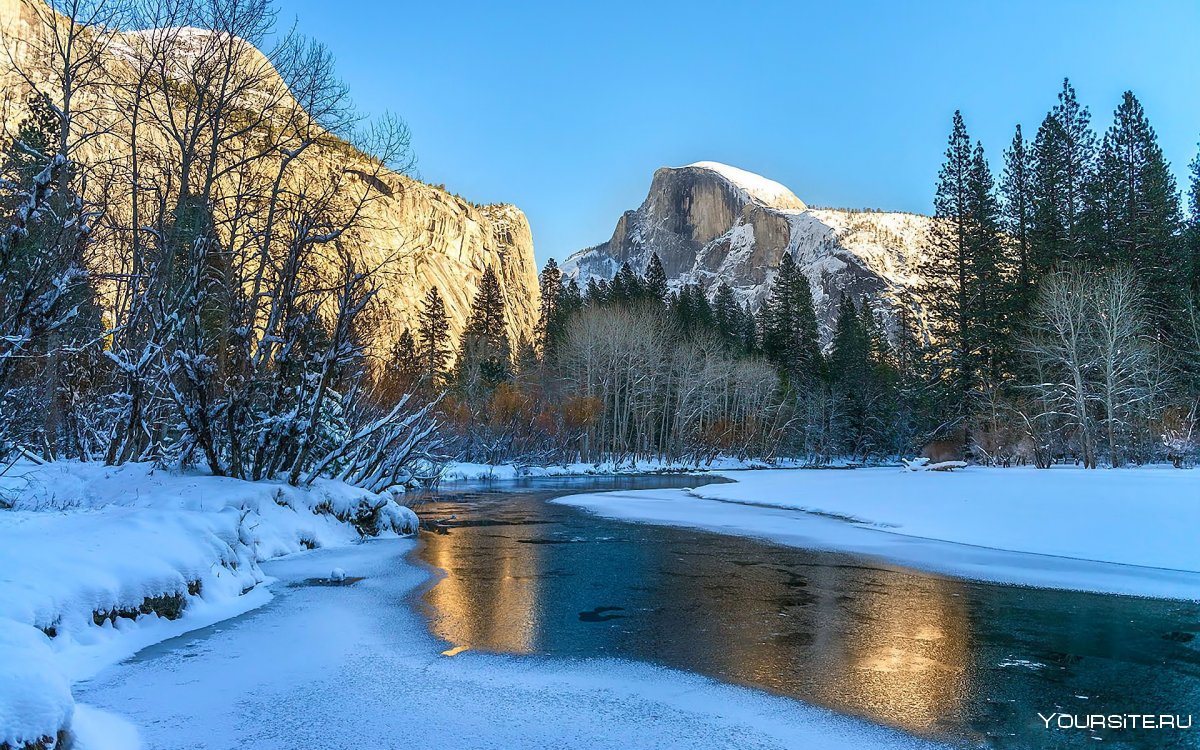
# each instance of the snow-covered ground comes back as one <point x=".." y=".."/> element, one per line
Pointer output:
<point x="461" y="471"/>
<point x="355" y="666"/>
<point x="1125" y="531"/>
<point x="97" y="562"/>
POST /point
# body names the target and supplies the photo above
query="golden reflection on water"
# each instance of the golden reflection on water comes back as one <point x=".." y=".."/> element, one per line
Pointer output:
<point x="851" y="636"/>
<point x="910" y="650"/>
<point x="877" y="643"/>
<point x="495" y="607"/>
<point x="910" y="660"/>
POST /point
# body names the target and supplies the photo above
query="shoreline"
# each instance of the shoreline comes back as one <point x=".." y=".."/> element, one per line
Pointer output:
<point x="374" y="633"/>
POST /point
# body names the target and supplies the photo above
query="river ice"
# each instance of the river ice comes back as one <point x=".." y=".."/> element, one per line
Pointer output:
<point x="1119" y="531"/>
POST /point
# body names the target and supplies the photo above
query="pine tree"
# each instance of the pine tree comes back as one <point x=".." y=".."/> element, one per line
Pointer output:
<point x="1191" y="333"/>
<point x="991" y="298"/>
<point x="626" y="287"/>
<point x="1193" y="233"/>
<point x="597" y="291"/>
<point x="790" y="338"/>
<point x="50" y="315"/>
<point x="1063" y="155"/>
<point x="727" y="316"/>
<point x="946" y="286"/>
<point x="966" y="277"/>
<point x="749" y="333"/>
<point x="550" y="285"/>
<point x="916" y="410"/>
<point x="1016" y="187"/>
<point x="888" y="423"/>
<point x="881" y="352"/>
<point x="850" y="373"/>
<point x="36" y="143"/>
<point x="654" y="280"/>
<point x="485" y="355"/>
<point x="402" y="369"/>
<point x="1132" y="215"/>
<point x="433" y="346"/>
<point x="568" y="302"/>
<point x="526" y="361"/>
<point x="692" y="309"/>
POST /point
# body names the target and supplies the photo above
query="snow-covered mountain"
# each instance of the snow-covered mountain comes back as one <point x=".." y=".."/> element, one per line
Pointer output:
<point x="710" y="222"/>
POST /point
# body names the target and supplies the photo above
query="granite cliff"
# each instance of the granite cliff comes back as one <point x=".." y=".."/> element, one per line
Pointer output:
<point x="710" y="223"/>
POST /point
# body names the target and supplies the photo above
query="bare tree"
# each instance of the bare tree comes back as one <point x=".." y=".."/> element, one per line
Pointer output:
<point x="1061" y="341"/>
<point x="48" y="315"/>
<point x="1125" y="353"/>
<point x="1102" y="370"/>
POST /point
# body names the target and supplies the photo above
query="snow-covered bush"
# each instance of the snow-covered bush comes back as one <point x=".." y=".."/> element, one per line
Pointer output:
<point x="1181" y="437"/>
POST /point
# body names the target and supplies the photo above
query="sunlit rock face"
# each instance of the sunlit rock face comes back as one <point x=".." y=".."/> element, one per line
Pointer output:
<point x="415" y="235"/>
<point x="710" y="222"/>
<point x="431" y="238"/>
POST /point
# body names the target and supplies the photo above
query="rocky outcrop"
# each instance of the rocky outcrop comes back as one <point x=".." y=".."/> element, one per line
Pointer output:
<point x="418" y="235"/>
<point x="431" y="238"/>
<point x="709" y="223"/>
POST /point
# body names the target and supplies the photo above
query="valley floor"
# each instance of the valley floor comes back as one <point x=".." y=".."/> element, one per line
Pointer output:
<point x="257" y="647"/>
<point x="1122" y="531"/>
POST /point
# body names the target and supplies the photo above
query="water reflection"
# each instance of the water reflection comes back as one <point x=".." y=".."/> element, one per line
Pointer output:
<point x="489" y="601"/>
<point x="911" y="656"/>
<point x="506" y="590"/>
<point x="937" y="657"/>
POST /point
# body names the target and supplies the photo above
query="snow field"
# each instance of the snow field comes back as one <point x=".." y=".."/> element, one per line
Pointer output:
<point x="97" y="562"/>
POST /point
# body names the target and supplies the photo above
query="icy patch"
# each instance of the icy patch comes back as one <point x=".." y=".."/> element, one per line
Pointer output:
<point x="1022" y="663"/>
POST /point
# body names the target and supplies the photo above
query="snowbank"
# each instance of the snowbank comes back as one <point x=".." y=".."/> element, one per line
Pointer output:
<point x="471" y="472"/>
<point x="35" y="696"/>
<point x="1126" y="531"/>
<point x="97" y="562"/>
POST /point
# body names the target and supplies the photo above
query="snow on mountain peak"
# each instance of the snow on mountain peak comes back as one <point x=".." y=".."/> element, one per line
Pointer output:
<point x="756" y="186"/>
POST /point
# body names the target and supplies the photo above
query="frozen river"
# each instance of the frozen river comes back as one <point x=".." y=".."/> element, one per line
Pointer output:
<point x="941" y="658"/>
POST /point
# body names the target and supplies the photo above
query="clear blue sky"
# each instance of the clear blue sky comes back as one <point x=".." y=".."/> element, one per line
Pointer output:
<point x="567" y="108"/>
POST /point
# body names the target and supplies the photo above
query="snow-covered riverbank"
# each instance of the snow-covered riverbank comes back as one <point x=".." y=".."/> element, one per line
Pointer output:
<point x="98" y="562"/>
<point x="461" y="471"/>
<point x="302" y="661"/>
<point x="1126" y="531"/>
<point x="353" y="666"/>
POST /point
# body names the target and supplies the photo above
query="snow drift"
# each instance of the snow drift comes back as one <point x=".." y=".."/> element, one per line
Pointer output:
<point x="97" y="562"/>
